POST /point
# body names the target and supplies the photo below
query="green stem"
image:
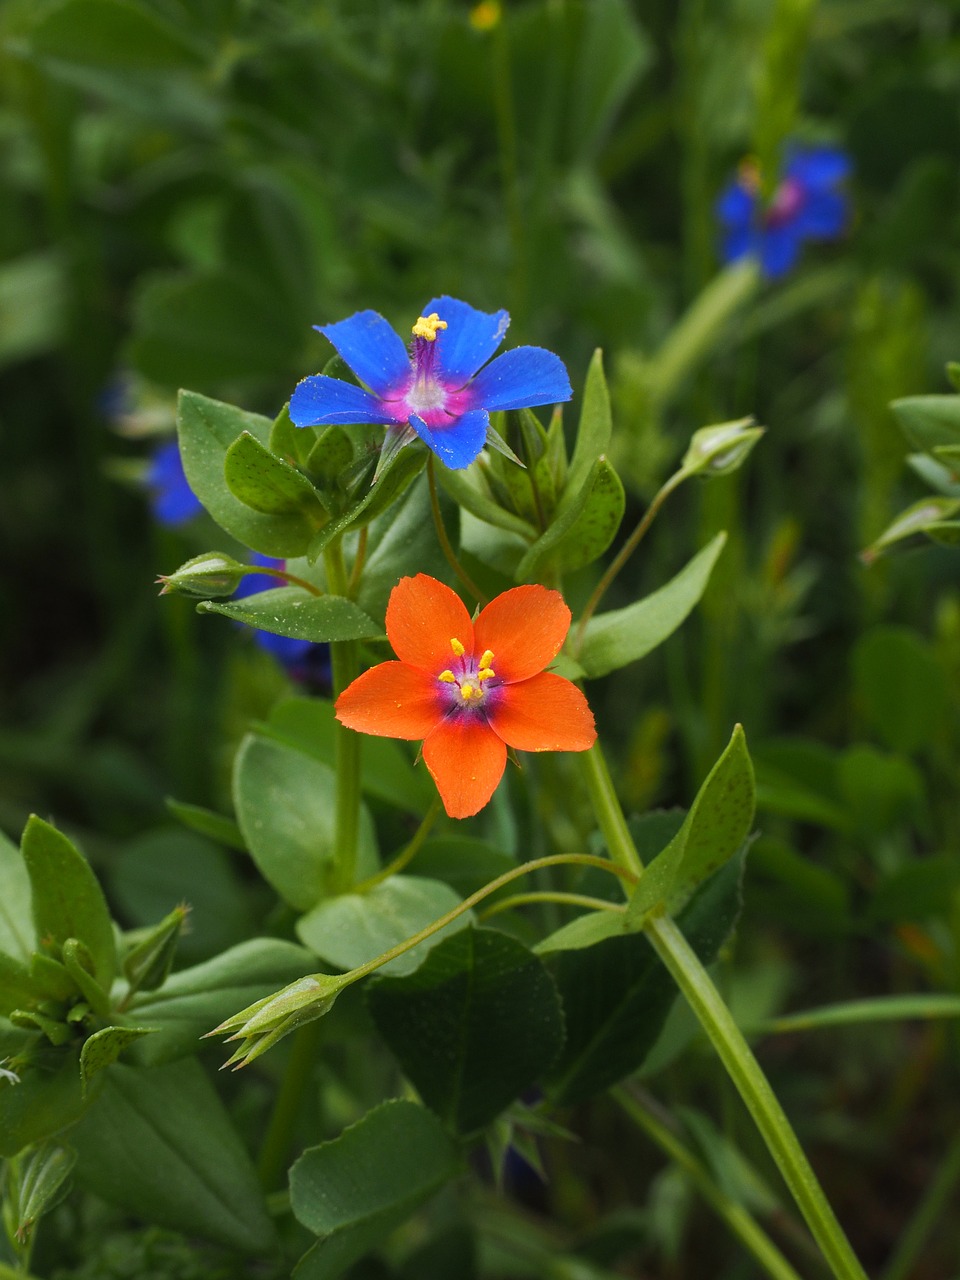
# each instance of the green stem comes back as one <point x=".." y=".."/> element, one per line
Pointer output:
<point x="406" y="854"/>
<point x="747" y="1230"/>
<point x="292" y="578"/>
<point x="277" y="1141"/>
<point x="537" y="864"/>
<point x="550" y="895"/>
<point x="445" y="544"/>
<point x="345" y="667"/>
<point x="625" y="552"/>
<point x="715" y="1018"/>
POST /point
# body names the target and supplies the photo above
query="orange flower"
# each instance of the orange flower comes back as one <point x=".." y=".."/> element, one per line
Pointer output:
<point x="471" y="689"/>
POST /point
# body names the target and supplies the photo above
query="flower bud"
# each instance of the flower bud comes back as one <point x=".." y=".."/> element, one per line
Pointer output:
<point x="261" y="1025"/>
<point x="206" y="576"/>
<point x="720" y="449"/>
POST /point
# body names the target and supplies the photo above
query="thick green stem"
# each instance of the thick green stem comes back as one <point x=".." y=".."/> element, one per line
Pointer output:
<point x="345" y="667"/>
<point x="747" y="1230"/>
<point x="713" y="1015"/>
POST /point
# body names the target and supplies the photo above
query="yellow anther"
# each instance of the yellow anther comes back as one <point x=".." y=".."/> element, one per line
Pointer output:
<point x="485" y="15"/>
<point x="486" y="658"/>
<point x="485" y="673"/>
<point x="457" y="647"/>
<point x="447" y="677"/>
<point x="427" y="326"/>
<point x="469" y="691"/>
<point x="748" y="171"/>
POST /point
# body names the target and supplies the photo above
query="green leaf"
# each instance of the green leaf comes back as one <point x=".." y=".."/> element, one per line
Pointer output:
<point x="47" y="1099"/>
<point x="111" y="34"/>
<point x="584" y="931"/>
<point x="294" y="611"/>
<point x="297" y="444"/>
<point x="468" y="488"/>
<point x="901" y="687"/>
<point x="615" y="639"/>
<point x="17" y="990"/>
<point x="67" y="899"/>
<point x="33" y="291"/>
<point x="392" y="481"/>
<point x="582" y="532"/>
<point x="613" y="52"/>
<point x="286" y="805"/>
<point x="207" y="429"/>
<point x="386" y="771"/>
<point x="402" y="541"/>
<point x="16" y="916"/>
<point x="479" y="1022"/>
<point x="928" y="421"/>
<point x="42" y="1183"/>
<point x="616" y="995"/>
<point x="261" y="480"/>
<point x="920" y="890"/>
<point x="595" y="427"/>
<point x="465" y="863"/>
<point x="159" y="1144"/>
<point x="104" y="1047"/>
<point x="925" y="516"/>
<point x="354" y="1191"/>
<point x="215" y="826"/>
<point x="713" y="831"/>
<point x="353" y="928"/>
<point x="852" y="1012"/>
<point x="193" y="1001"/>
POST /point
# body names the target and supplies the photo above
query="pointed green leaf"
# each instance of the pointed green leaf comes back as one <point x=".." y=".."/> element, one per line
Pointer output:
<point x="41" y="1185"/>
<point x="261" y="480"/>
<point x="67" y="899"/>
<point x="104" y="1047"/>
<point x="928" y="421"/>
<point x="713" y="831"/>
<point x="16" y="917"/>
<point x="354" y="1191"/>
<point x="17" y="990"/>
<point x="215" y="826"/>
<point x="390" y="484"/>
<point x="207" y="428"/>
<point x="294" y="611"/>
<point x="469" y="489"/>
<point x="622" y="636"/>
<point x="929" y="514"/>
<point x="159" y="1144"/>
<point x="475" y="1025"/>
<point x="584" y="530"/>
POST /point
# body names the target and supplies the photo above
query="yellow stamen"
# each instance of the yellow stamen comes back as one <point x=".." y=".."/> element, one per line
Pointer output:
<point x="748" y="171"/>
<point x="485" y="15"/>
<point x="468" y="691"/>
<point x="427" y="326"/>
<point x="447" y="677"/>
<point x="486" y="658"/>
<point x="485" y="673"/>
<point x="457" y="647"/>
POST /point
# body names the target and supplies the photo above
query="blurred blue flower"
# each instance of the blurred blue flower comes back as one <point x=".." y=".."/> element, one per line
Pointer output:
<point x="302" y="659"/>
<point x="433" y="389"/>
<point x="172" y="500"/>
<point x="809" y="203"/>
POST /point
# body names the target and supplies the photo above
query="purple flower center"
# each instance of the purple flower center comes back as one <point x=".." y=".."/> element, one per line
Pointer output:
<point x="788" y="199"/>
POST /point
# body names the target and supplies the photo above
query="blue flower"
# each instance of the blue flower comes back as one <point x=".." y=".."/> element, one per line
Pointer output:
<point x="302" y="659"/>
<point x="172" y="500"/>
<point x="809" y="203"/>
<point x="433" y="389"/>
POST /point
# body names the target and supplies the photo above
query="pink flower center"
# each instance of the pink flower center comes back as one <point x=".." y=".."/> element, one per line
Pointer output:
<point x="469" y="681"/>
<point x="788" y="200"/>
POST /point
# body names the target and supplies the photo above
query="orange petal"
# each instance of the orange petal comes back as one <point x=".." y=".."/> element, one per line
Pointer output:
<point x="393" y="700"/>
<point x="423" y="616"/>
<point x="466" y="760"/>
<point x="524" y="629"/>
<point x="544" y="713"/>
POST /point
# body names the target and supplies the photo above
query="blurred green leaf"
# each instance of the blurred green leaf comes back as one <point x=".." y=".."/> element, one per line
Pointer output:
<point x="67" y="899"/>
<point x="16" y="916"/>
<point x="42" y="1183"/>
<point x="112" y="33"/>
<point x="47" y="1100"/>
<point x="613" y="53"/>
<point x="17" y="990"/>
<point x="354" y="1191"/>
<point x="215" y="826"/>
<point x="920" y="890"/>
<point x="479" y="1022"/>
<point x="928" y="421"/>
<point x="32" y="306"/>
<point x="881" y="790"/>
<point x="901" y="687"/>
<point x="622" y="636"/>
<point x="352" y="928"/>
<point x="159" y="1144"/>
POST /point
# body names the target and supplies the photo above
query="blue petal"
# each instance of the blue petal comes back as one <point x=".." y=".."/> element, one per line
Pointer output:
<point x="779" y="250"/>
<point x="459" y="444"/>
<point x="824" y="215"/>
<point x="735" y="205"/>
<point x="817" y="166"/>
<point x="521" y="378"/>
<point x="321" y="401"/>
<point x="285" y="649"/>
<point x="469" y="340"/>
<point x="373" y="350"/>
<point x="737" y="243"/>
<point x="172" y="500"/>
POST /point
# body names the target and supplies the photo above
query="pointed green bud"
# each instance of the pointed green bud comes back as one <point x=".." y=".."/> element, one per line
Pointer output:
<point x="720" y="449"/>
<point x="261" y="1025"/>
<point x="78" y="962"/>
<point x="207" y="576"/>
<point x="147" y="964"/>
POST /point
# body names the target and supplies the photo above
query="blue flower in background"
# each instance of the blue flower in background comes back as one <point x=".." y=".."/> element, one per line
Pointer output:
<point x="172" y="500"/>
<point x="809" y="203"/>
<point x="302" y="659"/>
<point x="433" y="389"/>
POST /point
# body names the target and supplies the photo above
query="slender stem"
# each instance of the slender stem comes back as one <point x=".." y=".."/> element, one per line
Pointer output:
<point x="624" y="554"/>
<point x="550" y="895"/>
<point x="345" y="667"/>
<point x="745" y="1227"/>
<point x="553" y="860"/>
<point x="691" y="977"/>
<point x="923" y="1221"/>
<point x="358" y="562"/>
<point x="292" y="578"/>
<point x="272" y="1161"/>
<point x="406" y="854"/>
<point x="445" y="545"/>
